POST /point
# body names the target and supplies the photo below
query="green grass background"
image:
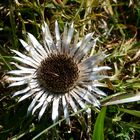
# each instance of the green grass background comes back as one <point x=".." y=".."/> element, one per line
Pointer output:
<point x="117" y="24"/>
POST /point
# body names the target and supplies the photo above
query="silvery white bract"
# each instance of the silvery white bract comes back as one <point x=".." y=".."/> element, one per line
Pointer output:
<point x="59" y="73"/>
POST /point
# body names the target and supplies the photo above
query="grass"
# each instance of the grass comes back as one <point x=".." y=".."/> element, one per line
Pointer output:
<point x="118" y="27"/>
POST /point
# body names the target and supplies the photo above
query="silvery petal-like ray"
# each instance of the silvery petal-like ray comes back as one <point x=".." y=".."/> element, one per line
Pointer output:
<point x="96" y="83"/>
<point x="82" y="44"/>
<point x="25" y="58"/>
<point x="84" y="51"/>
<point x="55" y="108"/>
<point x="34" y="85"/>
<point x="98" y="77"/>
<point x="34" y="101"/>
<point x="88" y="47"/>
<point x="37" y="45"/>
<point x="70" y="34"/>
<point x="36" y="56"/>
<point x="57" y="34"/>
<point x="66" y="114"/>
<point x="80" y="102"/>
<point x="45" y="104"/>
<point x="20" y="54"/>
<point x="23" y="91"/>
<point x="86" y="40"/>
<point x="71" y="102"/>
<point x="21" y="67"/>
<point x="42" y="109"/>
<point x="37" y="106"/>
<point x="41" y="101"/>
<point x="19" y="72"/>
<point x="98" y="91"/>
<point x="46" y="47"/>
<point x="18" y="83"/>
<point x="96" y="69"/>
<point x="92" y="61"/>
<point x="78" y="99"/>
<point x="47" y="37"/>
<point x="91" y="77"/>
<point x="87" y="96"/>
<point x="25" y="96"/>
<point x="75" y="49"/>
<point x="67" y="37"/>
<point x="25" y="45"/>
<point x="28" y="62"/>
<point x="65" y="48"/>
<point x="49" y="98"/>
<point x="20" y="78"/>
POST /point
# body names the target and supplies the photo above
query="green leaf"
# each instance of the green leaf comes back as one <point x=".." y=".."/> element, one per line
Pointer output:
<point x="98" y="133"/>
<point x="131" y="112"/>
<point x="130" y="125"/>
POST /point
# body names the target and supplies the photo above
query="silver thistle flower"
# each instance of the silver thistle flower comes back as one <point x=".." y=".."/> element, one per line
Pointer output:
<point x="59" y="73"/>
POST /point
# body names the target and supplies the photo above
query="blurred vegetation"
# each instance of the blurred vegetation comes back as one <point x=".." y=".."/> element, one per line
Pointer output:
<point x="117" y="24"/>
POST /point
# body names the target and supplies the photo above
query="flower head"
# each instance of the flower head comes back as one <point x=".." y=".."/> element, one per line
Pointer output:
<point x="59" y="72"/>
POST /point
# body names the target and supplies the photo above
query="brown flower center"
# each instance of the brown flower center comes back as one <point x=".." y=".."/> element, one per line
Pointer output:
<point x="58" y="73"/>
